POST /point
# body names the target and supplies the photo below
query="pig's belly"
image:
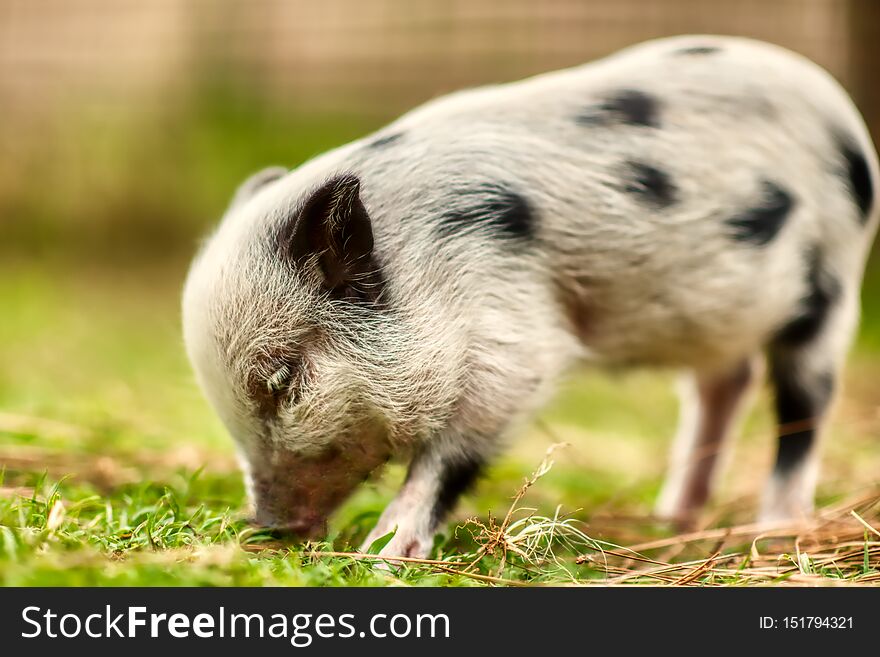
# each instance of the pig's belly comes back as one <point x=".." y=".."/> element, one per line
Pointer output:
<point x="648" y="323"/>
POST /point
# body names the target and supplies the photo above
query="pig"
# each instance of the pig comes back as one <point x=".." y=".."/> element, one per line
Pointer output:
<point x="698" y="203"/>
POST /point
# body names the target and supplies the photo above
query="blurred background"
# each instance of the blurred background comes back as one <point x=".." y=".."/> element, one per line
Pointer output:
<point x="125" y="126"/>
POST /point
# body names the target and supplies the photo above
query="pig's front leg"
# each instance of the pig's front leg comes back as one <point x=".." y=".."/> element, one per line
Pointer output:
<point x="439" y="473"/>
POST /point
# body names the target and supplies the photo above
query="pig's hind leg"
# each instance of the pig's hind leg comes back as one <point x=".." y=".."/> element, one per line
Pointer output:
<point x="805" y="362"/>
<point x="710" y="404"/>
<point x="438" y="474"/>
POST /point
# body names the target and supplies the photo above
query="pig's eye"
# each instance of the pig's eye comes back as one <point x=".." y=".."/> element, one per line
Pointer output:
<point x="272" y="392"/>
<point x="279" y="380"/>
<point x="281" y="385"/>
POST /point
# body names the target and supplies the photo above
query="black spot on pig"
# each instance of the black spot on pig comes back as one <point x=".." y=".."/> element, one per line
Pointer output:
<point x="798" y="409"/>
<point x="760" y="224"/>
<point x="650" y="185"/>
<point x="823" y="290"/>
<point x="386" y="140"/>
<point x="697" y="50"/>
<point x="457" y="476"/>
<point x="629" y="106"/>
<point x="857" y="176"/>
<point x="489" y="208"/>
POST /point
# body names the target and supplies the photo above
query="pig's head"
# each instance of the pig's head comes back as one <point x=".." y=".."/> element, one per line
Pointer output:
<point x="287" y="327"/>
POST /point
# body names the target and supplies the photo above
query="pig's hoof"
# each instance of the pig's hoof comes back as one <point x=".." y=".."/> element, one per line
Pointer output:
<point x="406" y="547"/>
<point x="776" y="516"/>
<point x="680" y="518"/>
<point x="683" y="521"/>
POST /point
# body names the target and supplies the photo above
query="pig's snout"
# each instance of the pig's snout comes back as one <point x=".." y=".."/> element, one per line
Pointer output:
<point x="296" y="494"/>
<point x="306" y="528"/>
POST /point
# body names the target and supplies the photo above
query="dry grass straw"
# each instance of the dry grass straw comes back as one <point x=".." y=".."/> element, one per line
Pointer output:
<point x="840" y="546"/>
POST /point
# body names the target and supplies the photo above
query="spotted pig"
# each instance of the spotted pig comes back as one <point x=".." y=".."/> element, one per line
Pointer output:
<point x="700" y="203"/>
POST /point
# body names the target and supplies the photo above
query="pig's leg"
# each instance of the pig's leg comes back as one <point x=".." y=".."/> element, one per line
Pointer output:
<point x="438" y="475"/>
<point x="804" y="371"/>
<point x="710" y="405"/>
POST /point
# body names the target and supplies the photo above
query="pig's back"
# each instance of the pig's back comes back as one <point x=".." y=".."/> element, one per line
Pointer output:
<point x="677" y="196"/>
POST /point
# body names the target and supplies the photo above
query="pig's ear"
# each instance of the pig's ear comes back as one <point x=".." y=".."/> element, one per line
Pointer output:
<point x="334" y="225"/>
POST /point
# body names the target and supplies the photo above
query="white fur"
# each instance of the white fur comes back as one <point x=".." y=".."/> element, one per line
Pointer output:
<point x="481" y="328"/>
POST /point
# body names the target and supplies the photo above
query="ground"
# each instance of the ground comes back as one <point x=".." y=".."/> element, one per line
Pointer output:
<point x="116" y="472"/>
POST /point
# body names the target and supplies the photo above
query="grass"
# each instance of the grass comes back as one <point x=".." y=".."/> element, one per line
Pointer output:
<point x="128" y="182"/>
<point x="115" y="472"/>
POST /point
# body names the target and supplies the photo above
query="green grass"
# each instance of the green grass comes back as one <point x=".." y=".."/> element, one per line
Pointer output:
<point x="116" y="472"/>
<point x="122" y="183"/>
<point x="101" y="421"/>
